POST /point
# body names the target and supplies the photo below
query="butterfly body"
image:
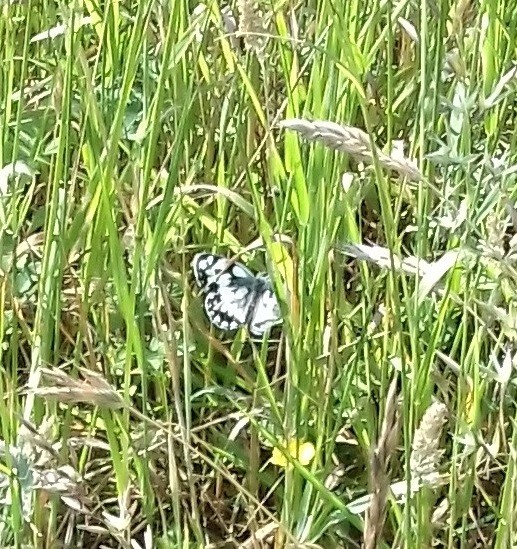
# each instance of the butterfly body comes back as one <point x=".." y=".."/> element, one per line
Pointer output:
<point x="234" y="296"/>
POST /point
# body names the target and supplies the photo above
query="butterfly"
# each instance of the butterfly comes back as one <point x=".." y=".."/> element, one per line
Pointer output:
<point x="234" y="296"/>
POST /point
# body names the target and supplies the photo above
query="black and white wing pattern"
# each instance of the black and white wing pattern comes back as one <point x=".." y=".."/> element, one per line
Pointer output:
<point x="234" y="296"/>
<point x="266" y="312"/>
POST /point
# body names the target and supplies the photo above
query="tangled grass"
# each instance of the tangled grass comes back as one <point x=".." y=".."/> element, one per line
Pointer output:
<point x="365" y="155"/>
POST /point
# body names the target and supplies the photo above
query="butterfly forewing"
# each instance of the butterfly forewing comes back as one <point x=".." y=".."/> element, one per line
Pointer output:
<point x="207" y="267"/>
<point x="227" y="307"/>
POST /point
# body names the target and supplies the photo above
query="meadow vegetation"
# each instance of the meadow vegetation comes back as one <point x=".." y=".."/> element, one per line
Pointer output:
<point x="365" y="155"/>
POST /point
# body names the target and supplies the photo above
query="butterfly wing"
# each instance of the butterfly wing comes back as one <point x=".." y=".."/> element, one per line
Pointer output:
<point x="229" y="290"/>
<point x="266" y="312"/>
<point x="216" y="269"/>
<point x="227" y="307"/>
<point x="207" y="267"/>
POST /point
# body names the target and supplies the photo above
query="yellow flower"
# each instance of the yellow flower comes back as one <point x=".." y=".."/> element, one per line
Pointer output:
<point x="301" y="451"/>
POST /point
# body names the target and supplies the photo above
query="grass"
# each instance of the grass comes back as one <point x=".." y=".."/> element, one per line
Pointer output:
<point x="136" y="134"/>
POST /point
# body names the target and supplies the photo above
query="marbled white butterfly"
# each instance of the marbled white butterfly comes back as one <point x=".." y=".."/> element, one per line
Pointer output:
<point x="234" y="296"/>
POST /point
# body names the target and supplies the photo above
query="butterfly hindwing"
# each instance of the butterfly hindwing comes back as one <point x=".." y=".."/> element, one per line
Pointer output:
<point x="235" y="297"/>
<point x="266" y="312"/>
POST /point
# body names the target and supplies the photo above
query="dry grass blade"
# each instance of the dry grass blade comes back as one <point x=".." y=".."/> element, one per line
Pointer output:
<point x="303" y="546"/>
<point x="375" y="515"/>
<point x="382" y="257"/>
<point x="353" y="141"/>
<point x="261" y="536"/>
<point x="93" y="389"/>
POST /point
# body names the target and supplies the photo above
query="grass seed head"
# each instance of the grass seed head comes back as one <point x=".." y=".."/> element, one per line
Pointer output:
<point x="379" y="465"/>
<point x="426" y="453"/>
<point x="354" y="142"/>
<point x="253" y="25"/>
<point x="93" y="389"/>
